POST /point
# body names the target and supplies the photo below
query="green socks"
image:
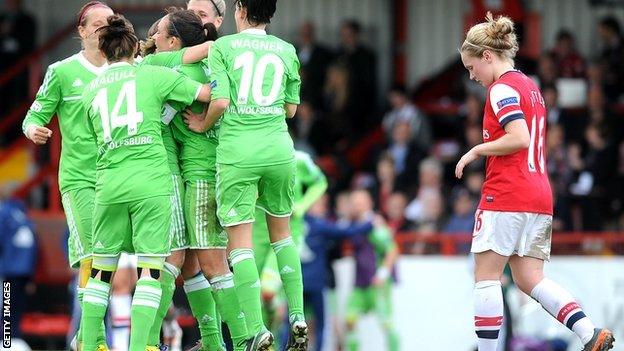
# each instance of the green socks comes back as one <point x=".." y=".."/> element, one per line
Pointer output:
<point x="94" y="304"/>
<point x="145" y="303"/>
<point x="199" y="295"/>
<point x="229" y="308"/>
<point x="289" y="265"/>
<point x="167" y="283"/>
<point x="247" y="283"/>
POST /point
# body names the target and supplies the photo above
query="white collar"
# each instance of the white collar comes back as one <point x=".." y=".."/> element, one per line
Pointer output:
<point x="254" y="31"/>
<point x="88" y="65"/>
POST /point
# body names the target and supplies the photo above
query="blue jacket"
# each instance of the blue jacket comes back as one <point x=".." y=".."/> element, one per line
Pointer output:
<point x="314" y="253"/>
<point x="18" y="246"/>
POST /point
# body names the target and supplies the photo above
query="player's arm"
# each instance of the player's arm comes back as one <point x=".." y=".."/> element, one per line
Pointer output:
<point x="382" y="240"/>
<point x="314" y="179"/>
<point x="505" y="102"/>
<point x="291" y="110"/>
<point x="42" y="109"/>
<point x="334" y="231"/>
<point x="293" y="86"/>
<point x="220" y="83"/>
<point x="197" y="53"/>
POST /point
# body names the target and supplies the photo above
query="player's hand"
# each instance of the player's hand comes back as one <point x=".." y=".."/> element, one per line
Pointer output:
<point x="38" y="135"/>
<point x="379" y="221"/>
<point x="464" y="161"/>
<point x="195" y="121"/>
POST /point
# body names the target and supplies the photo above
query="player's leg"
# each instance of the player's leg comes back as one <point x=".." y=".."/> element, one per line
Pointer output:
<point x="260" y="239"/>
<point x="528" y="274"/>
<point x="151" y="225"/>
<point x="383" y="308"/>
<point x="205" y="233"/>
<point x="236" y="198"/>
<point x="357" y="305"/>
<point x="121" y="300"/>
<point x="78" y="206"/>
<point x="169" y="273"/>
<point x="496" y="235"/>
<point x="174" y="262"/>
<point x="275" y="197"/>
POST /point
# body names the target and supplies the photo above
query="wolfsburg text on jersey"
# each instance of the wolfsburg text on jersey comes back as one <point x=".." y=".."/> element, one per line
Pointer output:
<point x="138" y="140"/>
<point x="256" y="110"/>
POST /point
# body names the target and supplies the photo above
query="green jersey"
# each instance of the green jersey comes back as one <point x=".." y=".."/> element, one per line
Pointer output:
<point x="258" y="73"/>
<point x="166" y="59"/>
<point x="60" y="94"/>
<point x="169" y="59"/>
<point x="310" y="185"/>
<point x="198" y="151"/>
<point x="124" y="105"/>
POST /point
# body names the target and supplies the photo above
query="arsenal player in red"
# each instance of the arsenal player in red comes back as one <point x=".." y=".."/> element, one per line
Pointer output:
<point x="514" y="218"/>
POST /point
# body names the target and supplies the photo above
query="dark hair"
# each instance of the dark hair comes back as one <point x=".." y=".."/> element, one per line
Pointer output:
<point x="399" y="88"/>
<point x="354" y="25"/>
<point x="612" y="24"/>
<point x="82" y="13"/>
<point x="117" y="39"/>
<point x="259" y="11"/>
<point x="187" y="26"/>
<point x="550" y="86"/>
<point x="564" y="34"/>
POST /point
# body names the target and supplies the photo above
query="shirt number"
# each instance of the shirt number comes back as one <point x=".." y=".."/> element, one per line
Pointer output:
<point x="126" y="100"/>
<point x="537" y="134"/>
<point x="253" y="78"/>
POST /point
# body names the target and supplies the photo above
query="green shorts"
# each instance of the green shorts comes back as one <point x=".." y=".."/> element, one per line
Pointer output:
<point x="373" y="299"/>
<point x="200" y="209"/>
<point x="179" y="240"/>
<point x="78" y="205"/>
<point x="141" y="227"/>
<point x="241" y="189"/>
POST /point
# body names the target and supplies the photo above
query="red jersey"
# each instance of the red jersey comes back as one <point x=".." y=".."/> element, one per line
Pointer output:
<point x="516" y="182"/>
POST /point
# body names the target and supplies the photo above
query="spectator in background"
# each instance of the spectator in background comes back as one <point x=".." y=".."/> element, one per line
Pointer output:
<point x="395" y="213"/>
<point x="406" y="153"/>
<point x="314" y="59"/>
<point x="611" y="56"/>
<point x="568" y="60"/>
<point x="602" y="114"/>
<point x="572" y="124"/>
<point x="547" y="71"/>
<point x="461" y="220"/>
<point x="429" y="189"/>
<point x="361" y="64"/>
<point x="474" y="183"/>
<point x="18" y="255"/>
<point x="386" y="182"/>
<point x="403" y="110"/>
<point x="18" y="31"/>
<point x="336" y="94"/>
<point x="309" y="130"/>
<point x="560" y="174"/>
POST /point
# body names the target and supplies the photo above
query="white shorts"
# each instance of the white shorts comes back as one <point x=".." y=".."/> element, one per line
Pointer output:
<point x="127" y="261"/>
<point x="512" y="233"/>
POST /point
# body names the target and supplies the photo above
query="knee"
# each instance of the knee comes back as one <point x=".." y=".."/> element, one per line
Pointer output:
<point x="177" y="258"/>
<point x="527" y="281"/>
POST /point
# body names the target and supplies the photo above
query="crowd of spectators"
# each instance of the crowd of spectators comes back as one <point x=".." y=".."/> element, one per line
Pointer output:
<point x="410" y="170"/>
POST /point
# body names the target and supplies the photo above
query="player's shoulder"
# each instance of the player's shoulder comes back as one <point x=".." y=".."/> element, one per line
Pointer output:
<point x="65" y="65"/>
<point x="288" y="47"/>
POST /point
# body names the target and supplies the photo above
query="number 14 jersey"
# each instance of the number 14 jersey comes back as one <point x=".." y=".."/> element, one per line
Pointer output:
<point x="124" y="107"/>
<point x="517" y="182"/>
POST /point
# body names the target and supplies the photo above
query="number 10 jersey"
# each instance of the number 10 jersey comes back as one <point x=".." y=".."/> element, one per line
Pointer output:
<point x="517" y="182"/>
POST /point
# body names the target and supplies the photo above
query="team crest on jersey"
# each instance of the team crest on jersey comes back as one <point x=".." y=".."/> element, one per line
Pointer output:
<point x="507" y="101"/>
